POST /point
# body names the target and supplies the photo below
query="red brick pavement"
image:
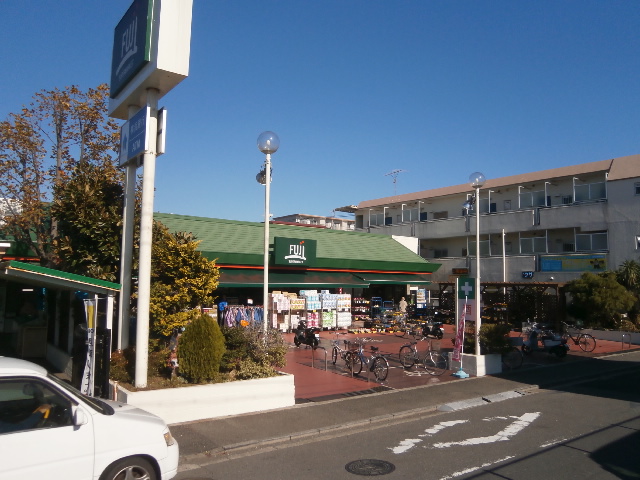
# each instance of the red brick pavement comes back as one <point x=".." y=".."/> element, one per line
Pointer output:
<point x="316" y="379"/>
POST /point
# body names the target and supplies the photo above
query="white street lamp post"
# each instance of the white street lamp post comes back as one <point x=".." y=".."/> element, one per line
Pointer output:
<point x="268" y="143"/>
<point x="476" y="180"/>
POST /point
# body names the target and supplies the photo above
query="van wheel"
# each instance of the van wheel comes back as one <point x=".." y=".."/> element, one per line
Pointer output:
<point x="129" y="468"/>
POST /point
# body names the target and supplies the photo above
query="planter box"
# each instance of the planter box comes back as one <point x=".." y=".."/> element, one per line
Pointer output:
<point x="478" y="365"/>
<point x="198" y="402"/>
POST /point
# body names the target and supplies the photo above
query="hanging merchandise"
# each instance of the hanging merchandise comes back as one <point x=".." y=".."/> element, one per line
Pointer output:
<point x="236" y="315"/>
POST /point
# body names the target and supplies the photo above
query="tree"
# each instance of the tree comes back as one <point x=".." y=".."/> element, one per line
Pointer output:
<point x="628" y="274"/>
<point x="182" y="280"/>
<point x="89" y="208"/>
<point x="39" y="148"/>
<point x="599" y="299"/>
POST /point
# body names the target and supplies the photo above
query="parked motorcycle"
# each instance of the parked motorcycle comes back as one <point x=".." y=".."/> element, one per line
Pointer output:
<point x="433" y="329"/>
<point x="541" y="340"/>
<point x="304" y="335"/>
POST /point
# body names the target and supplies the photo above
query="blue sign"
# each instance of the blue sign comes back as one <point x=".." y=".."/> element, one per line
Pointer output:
<point x="134" y="140"/>
<point x="131" y="45"/>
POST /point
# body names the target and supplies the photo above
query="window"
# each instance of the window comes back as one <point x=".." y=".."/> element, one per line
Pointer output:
<point x="532" y="199"/>
<point x="590" y="191"/>
<point x="410" y="215"/>
<point x="567" y="200"/>
<point x="441" y="252"/>
<point x="568" y="247"/>
<point x="591" y="241"/>
<point x="637" y="188"/>
<point x="23" y="403"/>
<point x="440" y="215"/>
<point x="377" y="219"/>
<point x="533" y="245"/>
<point x="485" y="248"/>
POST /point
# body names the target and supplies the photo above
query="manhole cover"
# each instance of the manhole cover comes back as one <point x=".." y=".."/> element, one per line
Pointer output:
<point x="370" y="467"/>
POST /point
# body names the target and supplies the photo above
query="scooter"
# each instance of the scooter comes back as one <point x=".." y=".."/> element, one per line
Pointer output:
<point x="545" y="341"/>
<point x="304" y="335"/>
<point x="433" y="329"/>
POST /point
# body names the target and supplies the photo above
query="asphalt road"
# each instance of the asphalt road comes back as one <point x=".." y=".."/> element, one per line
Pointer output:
<point x="589" y="430"/>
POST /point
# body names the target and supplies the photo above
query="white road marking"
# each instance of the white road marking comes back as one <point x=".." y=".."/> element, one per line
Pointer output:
<point x="552" y="442"/>
<point x="409" y="443"/>
<point x="442" y="425"/>
<point x="473" y="469"/>
<point x="503" y="435"/>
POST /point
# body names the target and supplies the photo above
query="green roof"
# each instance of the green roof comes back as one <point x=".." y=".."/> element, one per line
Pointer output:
<point x="48" y="277"/>
<point x="234" y="242"/>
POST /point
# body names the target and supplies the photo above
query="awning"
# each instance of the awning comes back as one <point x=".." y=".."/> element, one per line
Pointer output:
<point x="255" y="278"/>
<point x="49" y="278"/>
<point x="394" y="279"/>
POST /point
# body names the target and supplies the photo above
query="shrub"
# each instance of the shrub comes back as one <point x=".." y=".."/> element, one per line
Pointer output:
<point x="118" y="369"/>
<point x="201" y="349"/>
<point x="249" y="355"/>
<point x="494" y="338"/>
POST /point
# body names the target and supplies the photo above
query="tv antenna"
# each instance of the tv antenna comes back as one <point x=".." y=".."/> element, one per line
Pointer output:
<point x="394" y="175"/>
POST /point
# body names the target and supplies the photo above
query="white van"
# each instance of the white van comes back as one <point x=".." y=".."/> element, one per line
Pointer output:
<point x="48" y="429"/>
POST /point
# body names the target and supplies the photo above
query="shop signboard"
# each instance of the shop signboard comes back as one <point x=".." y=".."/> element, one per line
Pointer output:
<point x="151" y="49"/>
<point x="134" y="140"/>
<point x="596" y="262"/>
<point x="131" y="44"/>
<point x="295" y="252"/>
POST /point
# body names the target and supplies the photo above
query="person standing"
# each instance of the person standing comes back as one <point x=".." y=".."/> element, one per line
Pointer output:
<point x="403" y="305"/>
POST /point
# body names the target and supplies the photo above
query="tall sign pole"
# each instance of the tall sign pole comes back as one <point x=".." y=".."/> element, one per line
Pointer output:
<point x="146" y="238"/>
<point x="150" y="56"/>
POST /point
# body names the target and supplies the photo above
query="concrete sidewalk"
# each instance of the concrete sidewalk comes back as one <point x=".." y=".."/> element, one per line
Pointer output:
<point x="203" y="439"/>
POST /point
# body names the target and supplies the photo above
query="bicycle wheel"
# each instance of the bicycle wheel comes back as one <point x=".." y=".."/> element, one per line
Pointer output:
<point x="380" y="368"/>
<point x="334" y="355"/>
<point x="354" y="362"/>
<point x="435" y="363"/>
<point x="513" y="358"/>
<point x="587" y="342"/>
<point x="407" y="356"/>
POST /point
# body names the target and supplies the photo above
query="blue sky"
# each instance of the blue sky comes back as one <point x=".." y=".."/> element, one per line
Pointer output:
<point x="356" y="89"/>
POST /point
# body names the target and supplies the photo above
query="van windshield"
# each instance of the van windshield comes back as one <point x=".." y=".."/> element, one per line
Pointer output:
<point x="95" y="403"/>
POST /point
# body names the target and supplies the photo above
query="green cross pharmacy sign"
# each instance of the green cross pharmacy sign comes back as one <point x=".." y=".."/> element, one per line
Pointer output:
<point x="466" y="287"/>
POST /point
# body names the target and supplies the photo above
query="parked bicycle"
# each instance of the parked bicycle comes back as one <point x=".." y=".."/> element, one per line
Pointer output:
<point x="433" y="361"/>
<point x="338" y="351"/>
<point x="375" y="362"/>
<point x="404" y="329"/>
<point x="585" y="341"/>
<point x="401" y="327"/>
<point x="512" y="359"/>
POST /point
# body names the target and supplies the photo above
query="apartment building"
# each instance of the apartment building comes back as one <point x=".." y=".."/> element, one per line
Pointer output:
<point x="545" y="226"/>
<point x="334" y="223"/>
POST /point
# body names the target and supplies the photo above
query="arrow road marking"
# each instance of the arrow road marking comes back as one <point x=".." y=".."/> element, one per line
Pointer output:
<point x="503" y="435"/>
<point x="409" y="443"/>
